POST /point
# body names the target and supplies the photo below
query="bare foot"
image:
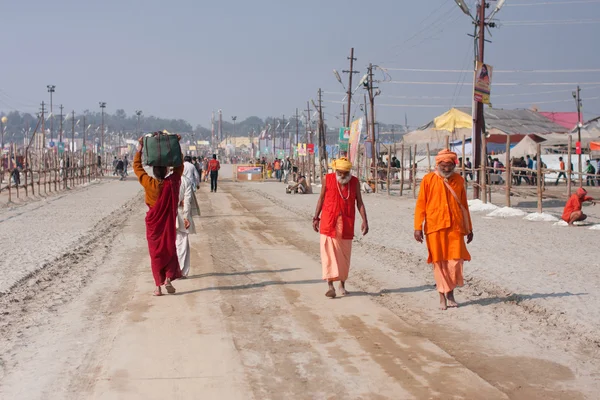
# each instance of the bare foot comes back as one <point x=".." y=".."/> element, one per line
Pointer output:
<point x="157" y="292"/>
<point x="330" y="293"/>
<point x="451" y="301"/>
<point x="443" y="305"/>
<point x="343" y="290"/>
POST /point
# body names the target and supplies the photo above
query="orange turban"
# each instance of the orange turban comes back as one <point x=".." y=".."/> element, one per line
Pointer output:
<point x="581" y="192"/>
<point x="341" y="164"/>
<point x="445" y="156"/>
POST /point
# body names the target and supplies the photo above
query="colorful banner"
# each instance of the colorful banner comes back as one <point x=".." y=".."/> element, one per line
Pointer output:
<point x="249" y="170"/>
<point x="301" y="149"/>
<point x="355" y="133"/>
<point x="344" y="135"/>
<point x="310" y="148"/>
<point x="483" y="83"/>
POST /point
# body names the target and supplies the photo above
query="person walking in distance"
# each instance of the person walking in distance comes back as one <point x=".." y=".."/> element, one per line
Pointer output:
<point x="334" y="220"/>
<point x="185" y="225"/>
<point x="443" y="209"/>
<point x="162" y="199"/>
<point x="214" y="166"/>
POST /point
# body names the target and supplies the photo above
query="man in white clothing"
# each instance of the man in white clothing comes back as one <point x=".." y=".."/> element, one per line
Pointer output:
<point x="190" y="172"/>
<point x="185" y="225"/>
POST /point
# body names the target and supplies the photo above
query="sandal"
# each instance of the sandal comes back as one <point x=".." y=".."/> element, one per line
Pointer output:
<point x="157" y="292"/>
<point x="331" y="293"/>
<point x="169" y="287"/>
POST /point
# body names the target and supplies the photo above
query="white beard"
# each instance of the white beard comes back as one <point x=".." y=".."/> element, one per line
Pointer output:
<point x="445" y="175"/>
<point x="343" y="181"/>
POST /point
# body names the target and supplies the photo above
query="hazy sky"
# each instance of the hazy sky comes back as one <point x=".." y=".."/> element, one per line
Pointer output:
<point x="184" y="58"/>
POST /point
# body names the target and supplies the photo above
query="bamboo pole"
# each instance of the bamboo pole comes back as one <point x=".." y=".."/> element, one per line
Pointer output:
<point x="464" y="160"/>
<point x="569" y="170"/>
<point x="539" y="176"/>
<point x="429" y="158"/>
<point x="448" y="142"/>
<point x="484" y="167"/>
<point x="389" y="171"/>
<point x="508" y="171"/>
<point x="414" y="175"/>
<point x="402" y="169"/>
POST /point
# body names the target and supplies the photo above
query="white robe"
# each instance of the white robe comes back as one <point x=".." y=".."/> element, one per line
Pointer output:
<point x="184" y="212"/>
<point x="190" y="172"/>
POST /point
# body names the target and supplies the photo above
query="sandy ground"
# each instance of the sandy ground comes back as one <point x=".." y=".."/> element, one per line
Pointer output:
<point x="253" y="322"/>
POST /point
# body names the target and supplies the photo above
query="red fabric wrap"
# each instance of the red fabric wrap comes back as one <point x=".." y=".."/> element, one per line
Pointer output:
<point x="160" y="232"/>
<point x="334" y="206"/>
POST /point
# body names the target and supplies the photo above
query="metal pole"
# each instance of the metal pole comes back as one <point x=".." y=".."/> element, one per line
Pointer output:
<point x="373" y="138"/>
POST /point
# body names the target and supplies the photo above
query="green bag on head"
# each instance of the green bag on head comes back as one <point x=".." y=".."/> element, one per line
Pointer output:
<point x="162" y="150"/>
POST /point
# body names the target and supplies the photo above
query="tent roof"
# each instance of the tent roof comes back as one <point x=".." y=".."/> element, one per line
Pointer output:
<point x="564" y="119"/>
<point x="515" y="122"/>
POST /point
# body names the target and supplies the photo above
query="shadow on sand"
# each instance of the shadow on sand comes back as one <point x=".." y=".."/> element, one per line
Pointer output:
<point x="517" y="298"/>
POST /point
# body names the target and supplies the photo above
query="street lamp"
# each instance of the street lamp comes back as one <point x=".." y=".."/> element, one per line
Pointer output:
<point x="51" y="90"/>
<point x="139" y="115"/>
<point x="234" y="118"/>
<point x="102" y="107"/>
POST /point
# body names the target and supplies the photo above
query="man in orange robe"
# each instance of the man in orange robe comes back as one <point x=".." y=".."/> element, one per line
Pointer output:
<point x="162" y="199"/>
<point x="572" y="212"/>
<point x="442" y="206"/>
<point x="334" y="219"/>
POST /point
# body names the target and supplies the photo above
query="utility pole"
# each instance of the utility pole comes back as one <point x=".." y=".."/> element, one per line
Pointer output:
<point x="43" y="125"/>
<point x="220" y="127"/>
<point x="577" y="96"/>
<point x="283" y="132"/>
<point x="373" y="139"/>
<point x="61" y="123"/>
<point x="51" y="90"/>
<point x="350" y="73"/>
<point x="343" y="114"/>
<point x="234" y="118"/>
<point x="73" y="140"/>
<point x="322" y="138"/>
<point x="83" y="149"/>
<point x="478" y="151"/>
<point x="102" y="107"/>
<point x="297" y="131"/>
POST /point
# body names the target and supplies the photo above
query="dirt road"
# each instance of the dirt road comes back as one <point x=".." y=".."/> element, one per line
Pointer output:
<point x="252" y="322"/>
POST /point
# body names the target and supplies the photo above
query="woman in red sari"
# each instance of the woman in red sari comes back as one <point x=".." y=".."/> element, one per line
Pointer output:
<point x="162" y="197"/>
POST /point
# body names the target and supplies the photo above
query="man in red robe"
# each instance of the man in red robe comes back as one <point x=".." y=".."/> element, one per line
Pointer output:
<point x="162" y="198"/>
<point x="572" y="212"/>
<point x="340" y="196"/>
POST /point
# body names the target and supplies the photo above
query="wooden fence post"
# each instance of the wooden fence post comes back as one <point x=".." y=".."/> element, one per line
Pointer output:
<point x="414" y="174"/>
<point x="483" y="167"/>
<point x="428" y="159"/>
<point x="539" y="176"/>
<point x="569" y="170"/>
<point x="402" y="169"/>
<point x="508" y="171"/>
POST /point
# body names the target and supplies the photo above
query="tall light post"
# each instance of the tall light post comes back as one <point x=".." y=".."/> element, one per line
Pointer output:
<point x="577" y="97"/>
<point x="51" y="90"/>
<point x="102" y="107"/>
<point x="139" y="115"/>
<point x="3" y="121"/>
<point x="234" y="118"/>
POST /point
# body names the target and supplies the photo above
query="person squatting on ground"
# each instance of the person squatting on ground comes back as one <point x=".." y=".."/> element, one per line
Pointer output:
<point x="214" y="166"/>
<point x="185" y="225"/>
<point x="334" y="220"/>
<point x="162" y="198"/>
<point x="572" y="212"/>
<point x="442" y="206"/>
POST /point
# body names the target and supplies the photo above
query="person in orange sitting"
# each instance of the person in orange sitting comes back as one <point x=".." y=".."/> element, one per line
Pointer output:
<point x="443" y="210"/>
<point x="572" y="212"/>
<point x="162" y="199"/>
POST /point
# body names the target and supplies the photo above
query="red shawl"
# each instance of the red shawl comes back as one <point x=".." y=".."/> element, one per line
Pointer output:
<point x="160" y="232"/>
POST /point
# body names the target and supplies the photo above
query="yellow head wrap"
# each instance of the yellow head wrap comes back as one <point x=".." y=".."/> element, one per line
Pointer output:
<point x="341" y="164"/>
